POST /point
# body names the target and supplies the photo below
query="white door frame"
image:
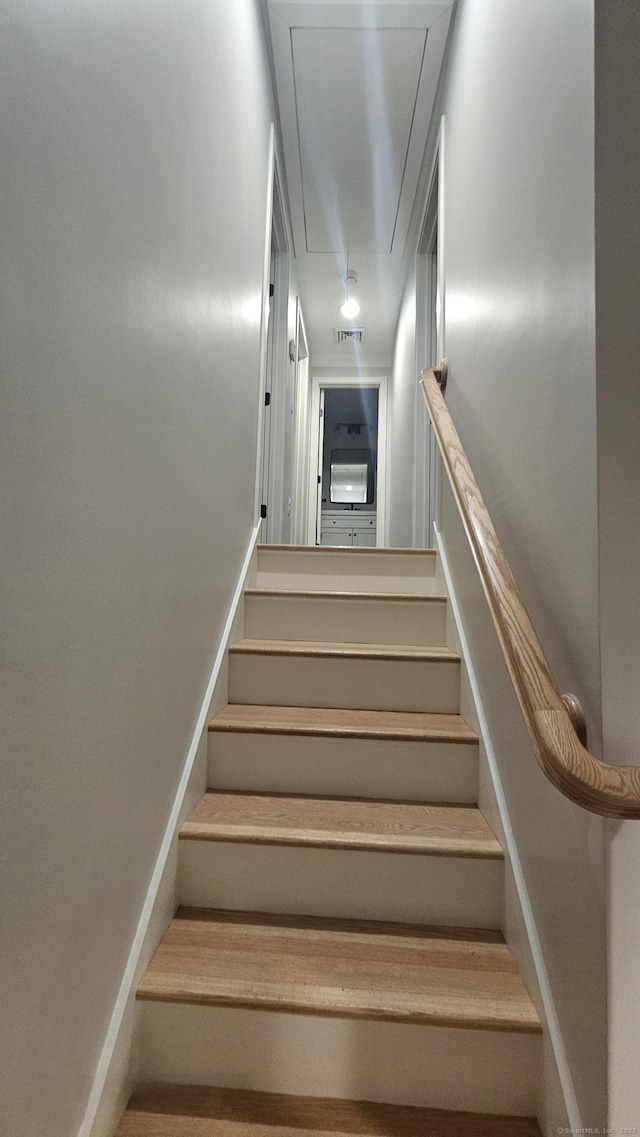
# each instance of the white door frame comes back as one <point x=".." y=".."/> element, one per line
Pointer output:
<point x="318" y="383"/>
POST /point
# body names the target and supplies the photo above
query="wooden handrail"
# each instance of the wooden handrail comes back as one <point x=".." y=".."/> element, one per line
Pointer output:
<point x="553" y="721"/>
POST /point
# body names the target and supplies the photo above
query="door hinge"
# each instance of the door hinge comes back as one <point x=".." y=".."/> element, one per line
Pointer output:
<point x="263" y="511"/>
<point x="272" y="289"/>
<point x="319" y="478"/>
<point x="267" y="398"/>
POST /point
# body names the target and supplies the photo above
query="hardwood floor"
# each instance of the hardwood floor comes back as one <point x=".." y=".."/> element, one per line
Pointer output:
<point x="342" y="823"/>
<point x="335" y="723"/>
<point x="320" y="649"/>
<point x="200" y="1111"/>
<point x="352" y="968"/>
<point x="352" y="597"/>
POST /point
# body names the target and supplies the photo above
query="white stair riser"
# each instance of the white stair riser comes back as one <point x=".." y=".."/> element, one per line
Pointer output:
<point x="345" y="883"/>
<point x="354" y="621"/>
<point x="441" y="1067"/>
<point x="344" y="767"/>
<point x="347" y="572"/>
<point x="323" y="582"/>
<point x="357" y="684"/>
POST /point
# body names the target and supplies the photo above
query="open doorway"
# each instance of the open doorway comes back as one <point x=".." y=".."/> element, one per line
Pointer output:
<point x="347" y="476"/>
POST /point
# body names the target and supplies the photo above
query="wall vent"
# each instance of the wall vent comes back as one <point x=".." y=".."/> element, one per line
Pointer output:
<point x="348" y="335"/>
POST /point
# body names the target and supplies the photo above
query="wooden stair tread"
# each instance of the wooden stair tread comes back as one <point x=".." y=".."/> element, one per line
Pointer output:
<point x="349" y="968"/>
<point x="322" y="649"/>
<point x="376" y="550"/>
<point x="203" y="1111"/>
<point x="336" y="594"/>
<point x="411" y="726"/>
<point x="342" y="823"/>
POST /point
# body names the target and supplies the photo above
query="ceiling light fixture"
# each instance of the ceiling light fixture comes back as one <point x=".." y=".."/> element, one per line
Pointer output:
<point x="350" y="308"/>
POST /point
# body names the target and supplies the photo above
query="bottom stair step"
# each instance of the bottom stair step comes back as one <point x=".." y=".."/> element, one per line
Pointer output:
<point x="198" y="1111"/>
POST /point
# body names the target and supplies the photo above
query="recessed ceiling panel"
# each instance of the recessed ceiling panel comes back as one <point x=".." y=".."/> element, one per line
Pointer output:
<point x="355" y="94"/>
<point x="356" y="82"/>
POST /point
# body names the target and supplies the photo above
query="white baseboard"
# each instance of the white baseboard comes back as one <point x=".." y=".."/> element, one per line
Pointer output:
<point x="555" y="1053"/>
<point x="117" y="1064"/>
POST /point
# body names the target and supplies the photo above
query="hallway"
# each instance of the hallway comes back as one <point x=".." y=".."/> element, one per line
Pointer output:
<point x="141" y="142"/>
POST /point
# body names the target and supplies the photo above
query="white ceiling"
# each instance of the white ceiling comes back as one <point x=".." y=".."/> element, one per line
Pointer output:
<point x="355" y="85"/>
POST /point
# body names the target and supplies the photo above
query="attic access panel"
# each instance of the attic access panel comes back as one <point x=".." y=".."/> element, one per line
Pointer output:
<point x="356" y="85"/>
<point x="356" y="91"/>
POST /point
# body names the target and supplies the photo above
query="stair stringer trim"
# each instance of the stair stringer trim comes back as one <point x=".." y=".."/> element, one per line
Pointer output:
<point x="549" y="1016"/>
<point x="117" y="1066"/>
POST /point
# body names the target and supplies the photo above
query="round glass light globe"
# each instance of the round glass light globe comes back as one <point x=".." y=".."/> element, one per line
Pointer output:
<point x="350" y="308"/>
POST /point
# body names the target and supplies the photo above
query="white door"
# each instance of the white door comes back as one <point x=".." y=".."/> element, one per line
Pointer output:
<point x="266" y="420"/>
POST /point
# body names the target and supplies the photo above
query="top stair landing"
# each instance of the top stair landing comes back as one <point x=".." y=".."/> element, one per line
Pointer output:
<point x="333" y="568"/>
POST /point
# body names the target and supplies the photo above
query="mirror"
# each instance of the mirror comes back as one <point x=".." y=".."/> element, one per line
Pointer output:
<point x="348" y="483"/>
<point x="352" y="476"/>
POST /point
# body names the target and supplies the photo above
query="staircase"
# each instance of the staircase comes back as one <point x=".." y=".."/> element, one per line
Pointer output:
<point x="337" y="963"/>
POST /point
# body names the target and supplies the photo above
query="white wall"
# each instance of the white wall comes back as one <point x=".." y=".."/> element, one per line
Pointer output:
<point x="135" y="187"/>
<point x="403" y="407"/>
<point x="618" y="352"/>
<point x="289" y="411"/>
<point x="357" y="373"/>
<point x="519" y="304"/>
<point x="302" y="443"/>
<point x="519" y="334"/>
